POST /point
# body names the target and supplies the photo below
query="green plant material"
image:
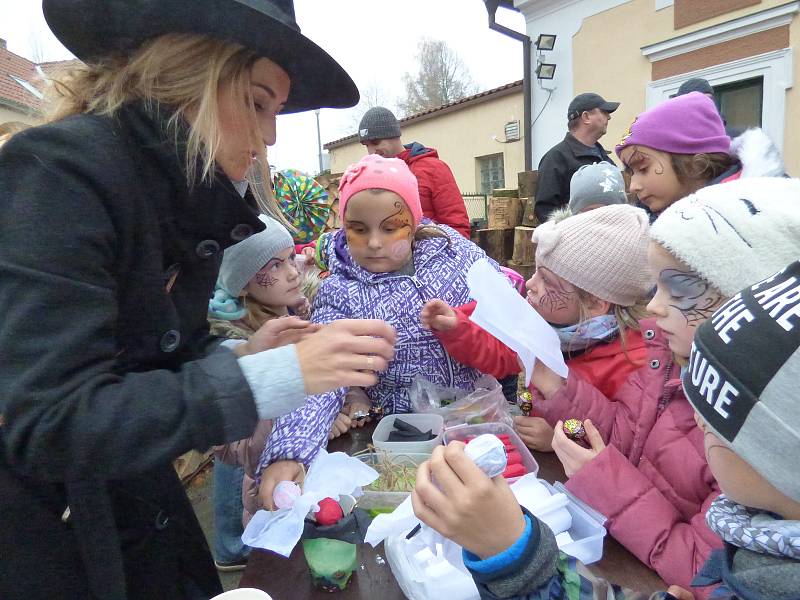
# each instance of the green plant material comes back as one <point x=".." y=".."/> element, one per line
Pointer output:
<point x="394" y="473"/>
<point x="380" y="510"/>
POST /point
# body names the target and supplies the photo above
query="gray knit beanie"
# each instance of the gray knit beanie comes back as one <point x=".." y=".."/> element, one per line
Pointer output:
<point x="602" y="252"/>
<point x="600" y="183"/>
<point x="378" y="123"/>
<point x="242" y="261"/>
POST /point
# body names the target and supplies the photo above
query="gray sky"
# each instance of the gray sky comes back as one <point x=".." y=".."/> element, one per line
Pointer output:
<point x="374" y="40"/>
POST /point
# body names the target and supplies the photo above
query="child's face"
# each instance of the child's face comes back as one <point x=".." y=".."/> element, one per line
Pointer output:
<point x="380" y="229"/>
<point x="653" y="178"/>
<point x="269" y="87"/>
<point x="683" y="299"/>
<point x="739" y="481"/>
<point x="277" y="284"/>
<point x="553" y="297"/>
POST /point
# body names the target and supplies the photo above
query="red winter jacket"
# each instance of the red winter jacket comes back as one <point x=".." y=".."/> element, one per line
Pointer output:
<point x="438" y="191"/>
<point x="605" y="366"/>
<point x="651" y="481"/>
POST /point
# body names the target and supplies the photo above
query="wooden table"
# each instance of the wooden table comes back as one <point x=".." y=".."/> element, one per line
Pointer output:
<point x="289" y="579"/>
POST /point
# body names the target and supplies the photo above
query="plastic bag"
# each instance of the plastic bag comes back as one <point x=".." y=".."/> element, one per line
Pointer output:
<point x="485" y="404"/>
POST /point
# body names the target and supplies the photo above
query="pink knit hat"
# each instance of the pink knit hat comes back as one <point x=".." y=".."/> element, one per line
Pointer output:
<point x="375" y="172"/>
<point x="688" y="124"/>
<point x="601" y="251"/>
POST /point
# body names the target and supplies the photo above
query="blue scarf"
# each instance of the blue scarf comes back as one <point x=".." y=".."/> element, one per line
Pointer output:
<point x="224" y="306"/>
<point x="587" y="333"/>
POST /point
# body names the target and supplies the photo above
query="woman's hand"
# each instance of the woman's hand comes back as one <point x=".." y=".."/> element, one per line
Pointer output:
<point x="547" y="381"/>
<point x="345" y="353"/>
<point x="438" y="315"/>
<point x="535" y="432"/>
<point x="280" y="470"/>
<point x="572" y="455"/>
<point x="464" y="505"/>
<point x="276" y="333"/>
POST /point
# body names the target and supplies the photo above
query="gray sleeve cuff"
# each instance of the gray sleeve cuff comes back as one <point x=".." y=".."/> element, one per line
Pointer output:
<point x="275" y="378"/>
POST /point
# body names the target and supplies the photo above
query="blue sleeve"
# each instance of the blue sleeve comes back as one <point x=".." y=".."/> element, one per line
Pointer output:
<point x="506" y="558"/>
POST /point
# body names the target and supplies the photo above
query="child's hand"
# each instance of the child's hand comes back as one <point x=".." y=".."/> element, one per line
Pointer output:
<point x="478" y="513"/>
<point x="438" y="315"/>
<point x="357" y="403"/>
<point x="679" y="593"/>
<point x="535" y="432"/>
<point x="280" y="470"/>
<point x="340" y="425"/>
<point x="571" y="454"/>
<point x="544" y="379"/>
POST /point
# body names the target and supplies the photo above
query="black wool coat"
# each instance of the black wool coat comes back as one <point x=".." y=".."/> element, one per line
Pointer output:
<point x="107" y="371"/>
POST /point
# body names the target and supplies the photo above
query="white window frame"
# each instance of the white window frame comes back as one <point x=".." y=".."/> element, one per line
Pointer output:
<point x="775" y="67"/>
<point x="664" y="4"/>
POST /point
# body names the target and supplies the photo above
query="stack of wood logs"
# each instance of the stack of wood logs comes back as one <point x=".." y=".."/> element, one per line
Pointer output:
<point x="507" y="238"/>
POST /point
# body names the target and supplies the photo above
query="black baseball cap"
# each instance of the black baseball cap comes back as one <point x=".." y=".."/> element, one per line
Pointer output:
<point x="589" y="101"/>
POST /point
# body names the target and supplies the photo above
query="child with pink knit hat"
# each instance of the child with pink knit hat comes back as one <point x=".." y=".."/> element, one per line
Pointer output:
<point x="679" y="146"/>
<point x="384" y="263"/>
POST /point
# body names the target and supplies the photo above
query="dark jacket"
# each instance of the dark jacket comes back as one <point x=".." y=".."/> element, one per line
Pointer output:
<point x="556" y="169"/>
<point x="439" y="195"/>
<point x="106" y="376"/>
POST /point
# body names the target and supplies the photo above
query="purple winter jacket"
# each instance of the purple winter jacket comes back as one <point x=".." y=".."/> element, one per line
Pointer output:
<point x="350" y="292"/>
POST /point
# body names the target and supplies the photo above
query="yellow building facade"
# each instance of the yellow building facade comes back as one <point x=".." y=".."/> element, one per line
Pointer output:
<point x="479" y="137"/>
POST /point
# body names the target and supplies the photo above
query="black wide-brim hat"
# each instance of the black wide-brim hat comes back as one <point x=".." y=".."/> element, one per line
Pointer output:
<point x="92" y="29"/>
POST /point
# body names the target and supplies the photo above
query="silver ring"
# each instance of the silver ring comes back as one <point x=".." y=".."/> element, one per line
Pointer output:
<point x="359" y="414"/>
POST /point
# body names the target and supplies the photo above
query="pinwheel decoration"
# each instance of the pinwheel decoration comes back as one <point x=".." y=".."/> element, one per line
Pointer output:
<point x="304" y="202"/>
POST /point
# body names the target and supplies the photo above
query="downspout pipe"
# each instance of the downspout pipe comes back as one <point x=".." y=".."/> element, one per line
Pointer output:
<point x="491" y="9"/>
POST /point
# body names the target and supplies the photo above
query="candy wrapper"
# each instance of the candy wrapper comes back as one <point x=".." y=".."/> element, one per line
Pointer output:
<point x="574" y="430"/>
<point x="329" y="476"/>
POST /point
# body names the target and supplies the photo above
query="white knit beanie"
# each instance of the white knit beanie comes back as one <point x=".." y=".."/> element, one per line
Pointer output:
<point x="602" y="251"/>
<point x="242" y="261"/>
<point x="734" y="234"/>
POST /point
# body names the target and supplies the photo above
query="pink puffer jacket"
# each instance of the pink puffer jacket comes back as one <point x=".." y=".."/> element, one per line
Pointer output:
<point x="652" y="481"/>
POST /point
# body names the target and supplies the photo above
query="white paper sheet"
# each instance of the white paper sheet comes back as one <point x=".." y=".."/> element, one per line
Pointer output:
<point x="329" y="476"/>
<point x="507" y="316"/>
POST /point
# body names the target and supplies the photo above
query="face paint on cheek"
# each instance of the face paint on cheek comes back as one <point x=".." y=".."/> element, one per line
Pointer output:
<point x="400" y="249"/>
<point x="694" y="297"/>
<point x="265" y="279"/>
<point x="555" y="298"/>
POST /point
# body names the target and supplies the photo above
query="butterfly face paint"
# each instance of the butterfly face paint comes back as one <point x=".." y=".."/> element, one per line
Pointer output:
<point x="379" y="230"/>
<point x="683" y="299"/>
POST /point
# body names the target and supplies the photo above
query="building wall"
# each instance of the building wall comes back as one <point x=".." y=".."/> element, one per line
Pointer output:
<point x="6" y="115"/>
<point x="460" y="136"/>
<point x="601" y="51"/>
<point x="631" y="71"/>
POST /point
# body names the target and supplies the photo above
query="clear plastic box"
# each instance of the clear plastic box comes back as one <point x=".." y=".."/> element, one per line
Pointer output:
<point x="462" y="432"/>
<point x="384" y="499"/>
<point x="587" y="531"/>
<point x="422" y="421"/>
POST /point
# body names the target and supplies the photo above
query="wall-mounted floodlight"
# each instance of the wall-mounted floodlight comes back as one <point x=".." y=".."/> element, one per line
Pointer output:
<point x="545" y="70"/>
<point x="545" y="42"/>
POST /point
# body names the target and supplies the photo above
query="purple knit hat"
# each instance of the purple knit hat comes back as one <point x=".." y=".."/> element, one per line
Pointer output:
<point x="687" y="124"/>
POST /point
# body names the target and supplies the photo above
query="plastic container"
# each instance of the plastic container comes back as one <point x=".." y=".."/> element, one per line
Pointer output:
<point x="422" y="421"/>
<point x="373" y="499"/>
<point x="587" y="529"/>
<point x="462" y="432"/>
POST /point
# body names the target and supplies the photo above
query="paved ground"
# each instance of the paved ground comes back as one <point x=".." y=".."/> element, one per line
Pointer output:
<point x="199" y="491"/>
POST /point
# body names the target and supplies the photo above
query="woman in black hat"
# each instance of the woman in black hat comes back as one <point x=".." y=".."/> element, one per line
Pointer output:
<point x="113" y="218"/>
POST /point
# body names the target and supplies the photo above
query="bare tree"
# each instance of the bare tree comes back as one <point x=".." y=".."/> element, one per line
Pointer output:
<point x="371" y="96"/>
<point x="442" y="77"/>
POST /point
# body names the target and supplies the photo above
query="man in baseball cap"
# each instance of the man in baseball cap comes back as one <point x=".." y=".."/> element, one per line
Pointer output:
<point x="587" y="120"/>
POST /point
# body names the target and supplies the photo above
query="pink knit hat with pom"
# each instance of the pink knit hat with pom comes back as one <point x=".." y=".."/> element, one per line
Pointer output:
<point x="601" y="251"/>
<point x="687" y="124"/>
<point x="375" y="172"/>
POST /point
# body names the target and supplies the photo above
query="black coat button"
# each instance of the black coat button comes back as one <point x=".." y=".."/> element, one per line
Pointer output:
<point x="655" y="363"/>
<point x="241" y="232"/>
<point x="207" y="249"/>
<point x="649" y="334"/>
<point x="170" y="341"/>
<point x="162" y="520"/>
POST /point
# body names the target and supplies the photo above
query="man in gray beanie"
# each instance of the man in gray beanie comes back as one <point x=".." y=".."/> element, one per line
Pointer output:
<point x="439" y="195"/>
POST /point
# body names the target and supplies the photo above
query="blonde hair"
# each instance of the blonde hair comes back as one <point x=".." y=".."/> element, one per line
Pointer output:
<point x="186" y="73"/>
<point x="627" y="317"/>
